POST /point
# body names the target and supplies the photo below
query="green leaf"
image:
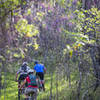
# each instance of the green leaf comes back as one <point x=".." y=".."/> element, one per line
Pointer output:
<point x="16" y="55"/>
<point x="71" y="53"/>
<point x="28" y="11"/>
<point x="22" y="53"/>
<point x="0" y="64"/>
<point x="2" y="58"/>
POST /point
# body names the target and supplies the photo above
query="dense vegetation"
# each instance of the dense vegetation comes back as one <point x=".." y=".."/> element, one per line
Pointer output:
<point x="64" y="35"/>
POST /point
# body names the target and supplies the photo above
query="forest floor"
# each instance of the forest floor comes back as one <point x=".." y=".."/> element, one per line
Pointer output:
<point x="10" y="91"/>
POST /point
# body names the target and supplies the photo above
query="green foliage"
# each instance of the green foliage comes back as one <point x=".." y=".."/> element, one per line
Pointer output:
<point x="61" y="2"/>
<point x="39" y="16"/>
<point x="2" y="58"/>
<point x="7" y="6"/>
<point x="52" y="42"/>
<point x="16" y="55"/>
<point x="28" y="11"/>
<point x="89" y="22"/>
<point x="24" y="28"/>
<point x="22" y="53"/>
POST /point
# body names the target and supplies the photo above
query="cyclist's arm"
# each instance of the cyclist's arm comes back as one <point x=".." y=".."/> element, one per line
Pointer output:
<point x="22" y="85"/>
<point x="34" y="69"/>
<point x="44" y="68"/>
<point x="34" y="72"/>
<point x="16" y="76"/>
<point x="19" y="71"/>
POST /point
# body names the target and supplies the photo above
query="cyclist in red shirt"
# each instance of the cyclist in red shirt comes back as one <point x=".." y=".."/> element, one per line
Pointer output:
<point x="32" y="86"/>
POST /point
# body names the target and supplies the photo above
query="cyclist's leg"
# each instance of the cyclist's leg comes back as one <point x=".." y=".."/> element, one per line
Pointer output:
<point x="19" y="80"/>
<point x="35" y="96"/>
<point x="29" y="91"/>
<point x="42" y="79"/>
<point x="35" y="93"/>
<point x="39" y="81"/>
<point x="41" y="75"/>
<point x="38" y="74"/>
<point x="19" y="91"/>
<point x="26" y="93"/>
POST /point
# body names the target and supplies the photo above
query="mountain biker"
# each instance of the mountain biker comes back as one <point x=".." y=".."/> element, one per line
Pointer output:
<point x="23" y="72"/>
<point x="32" y="82"/>
<point x="40" y="70"/>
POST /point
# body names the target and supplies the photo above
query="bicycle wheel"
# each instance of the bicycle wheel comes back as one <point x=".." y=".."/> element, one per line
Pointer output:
<point x="19" y="92"/>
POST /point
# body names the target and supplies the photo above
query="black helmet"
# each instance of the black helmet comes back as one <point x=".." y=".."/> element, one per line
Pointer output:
<point x="36" y="62"/>
<point x="25" y="63"/>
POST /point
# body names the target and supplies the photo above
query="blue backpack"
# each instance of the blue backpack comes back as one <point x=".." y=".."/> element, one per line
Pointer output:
<point x="32" y="80"/>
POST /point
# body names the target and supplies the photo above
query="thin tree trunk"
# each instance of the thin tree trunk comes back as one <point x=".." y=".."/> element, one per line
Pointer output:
<point x="51" y="86"/>
<point x="69" y="76"/>
<point x="57" y="86"/>
<point x="0" y="80"/>
<point x="79" y="87"/>
<point x="4" y="83"/>
<point x="83" y="4"/>
<point x="80" y="80"/>
<point x="96" y="67"/>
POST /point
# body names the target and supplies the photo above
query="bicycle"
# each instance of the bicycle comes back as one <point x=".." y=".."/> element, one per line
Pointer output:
<point x="21" y="91"/>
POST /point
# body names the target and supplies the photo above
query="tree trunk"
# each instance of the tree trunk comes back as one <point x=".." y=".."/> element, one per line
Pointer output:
<point x="96" y="65"/>
<point x="51" y="86"/>
<point x="57" y="86"/>
<point x="87" y="4"/>
<point x="0" y="80"/>
<point x="79" y="86"/>
<point x="80" y="75"/>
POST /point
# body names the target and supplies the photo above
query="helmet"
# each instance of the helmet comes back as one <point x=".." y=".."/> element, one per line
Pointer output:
<point x="36" y="62"/>
<point x="30" y="71"/>
<point x="25" y="63"/>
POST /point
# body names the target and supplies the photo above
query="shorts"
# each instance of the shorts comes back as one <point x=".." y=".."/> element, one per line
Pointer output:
<point x="30" y="90"/>
<point x="40" y="75"/>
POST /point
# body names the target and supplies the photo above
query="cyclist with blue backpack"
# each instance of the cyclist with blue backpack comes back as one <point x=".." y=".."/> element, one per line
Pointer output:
<point x="40" y="70"/>
<point x="32" y="86"/>
<point x="23" y="72"/>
